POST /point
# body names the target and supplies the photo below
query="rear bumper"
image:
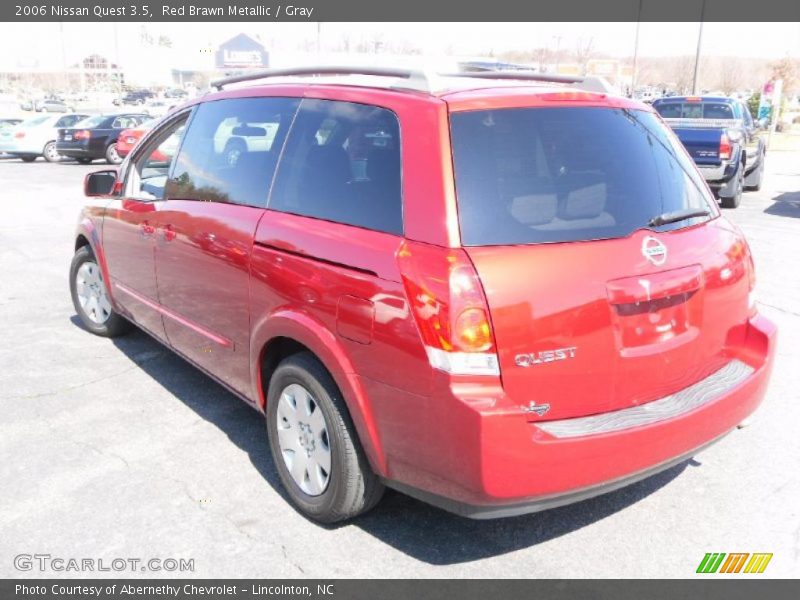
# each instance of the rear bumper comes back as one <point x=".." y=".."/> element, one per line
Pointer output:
<point x="489" y="461"/>
<point x="71" y="151"/>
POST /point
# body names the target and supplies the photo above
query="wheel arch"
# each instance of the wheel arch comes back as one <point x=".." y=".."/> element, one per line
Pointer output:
<point x="87" y="234"/>
<point x="286" y="332"/>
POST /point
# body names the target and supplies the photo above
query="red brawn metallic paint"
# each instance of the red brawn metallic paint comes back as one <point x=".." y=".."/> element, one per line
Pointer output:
<point x="220" y="283"/>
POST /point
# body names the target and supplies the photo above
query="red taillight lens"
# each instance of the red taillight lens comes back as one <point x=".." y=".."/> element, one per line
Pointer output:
<point x="450" y="309"/>
<point x="725" y="147"/>
<point x="84" y="134"/>
<point x="19" y="135"/>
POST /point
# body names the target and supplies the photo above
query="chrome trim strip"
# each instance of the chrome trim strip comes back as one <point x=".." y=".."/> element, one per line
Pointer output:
<point x="674" y="405"/>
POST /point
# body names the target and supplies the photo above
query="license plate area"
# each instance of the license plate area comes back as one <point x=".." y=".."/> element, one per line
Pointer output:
<point x="656" y="312"/>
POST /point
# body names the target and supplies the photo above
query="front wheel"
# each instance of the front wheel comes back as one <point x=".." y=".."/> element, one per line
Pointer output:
<point x="90" y="296"/>
<point x="28" y="157"/>
<point x="756" y="178"/>
<point x="314" y="444"/>
<point x="112" y="156"/>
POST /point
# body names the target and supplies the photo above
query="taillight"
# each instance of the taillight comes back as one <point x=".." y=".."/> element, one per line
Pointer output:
<point x="450" y="309"/>
<point x="725" y="147"/>
<point x="83" y="134"/>
<point x="19" y="135"/>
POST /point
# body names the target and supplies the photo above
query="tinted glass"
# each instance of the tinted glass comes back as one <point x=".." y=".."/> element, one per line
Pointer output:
<point x="695" y="110"/>
<point x="533" y="175"/>
<point x="69" y="121"/>
<point x="231" y="149"/>
<point x="148" y="177"/>
<point x="90" y="122"/>
<point x="342" y="163"/>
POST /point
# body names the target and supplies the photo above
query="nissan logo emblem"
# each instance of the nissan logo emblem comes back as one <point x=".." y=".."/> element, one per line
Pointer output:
<point x="654" y="251"/>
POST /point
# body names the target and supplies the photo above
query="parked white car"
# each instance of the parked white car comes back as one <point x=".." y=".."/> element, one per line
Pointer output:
<point x="37" y="137"/>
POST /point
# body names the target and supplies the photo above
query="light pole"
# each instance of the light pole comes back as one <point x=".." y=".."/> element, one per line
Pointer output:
<point x="699" y="43"/>
<point x="636" y="48"/>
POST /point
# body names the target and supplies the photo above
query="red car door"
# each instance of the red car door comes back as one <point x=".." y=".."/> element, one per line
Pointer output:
<point x="215" y="199"/>
<point x="130" y="227"/>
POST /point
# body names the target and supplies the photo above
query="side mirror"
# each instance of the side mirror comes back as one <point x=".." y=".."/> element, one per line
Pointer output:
<point x="100" y="183"/>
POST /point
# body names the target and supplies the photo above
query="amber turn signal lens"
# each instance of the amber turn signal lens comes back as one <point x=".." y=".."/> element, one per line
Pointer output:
<point x="473" y="333"/>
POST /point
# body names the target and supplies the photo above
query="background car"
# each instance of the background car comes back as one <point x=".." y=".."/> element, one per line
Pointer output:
<point x="137" y="97"/>
<point x="51" y="105"/>
<point x="36" y="136"/>
<point x="130" y="137"/>
<point x="724" y="140"/>
<point x="96" y="137"/>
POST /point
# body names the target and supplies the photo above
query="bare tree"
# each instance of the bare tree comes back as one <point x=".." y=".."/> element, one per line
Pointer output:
<point x="584" y="49"/>
<point x="729" y="76"/>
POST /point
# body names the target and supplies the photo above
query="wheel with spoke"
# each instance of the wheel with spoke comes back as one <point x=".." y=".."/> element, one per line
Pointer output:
<point x="314" y="444"/>
<point x="90" y="296"/>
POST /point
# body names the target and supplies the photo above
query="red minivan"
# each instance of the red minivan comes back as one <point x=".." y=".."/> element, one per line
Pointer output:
<point x="493" y="293"/>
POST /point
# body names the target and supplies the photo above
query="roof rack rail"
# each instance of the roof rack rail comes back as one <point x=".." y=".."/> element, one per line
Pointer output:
<point x="416" y="79"/>
<point x="517" y="75"/>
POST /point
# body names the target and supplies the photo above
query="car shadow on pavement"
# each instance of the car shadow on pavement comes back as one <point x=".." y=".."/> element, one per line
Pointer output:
<point x="786" y="204"/>
<point x="412" y="527"/>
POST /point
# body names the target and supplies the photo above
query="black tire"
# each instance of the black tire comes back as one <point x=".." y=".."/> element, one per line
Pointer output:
<point x="760" y="169"/>
<point x="112" y="156"/>
<point x="352" y="487"/>
<point x="84" y="160"/>
<point x="115" y="325"/>
<point x="735" y="200"/>
<point x="49" y="153"/>
<point x="28" y="157"/>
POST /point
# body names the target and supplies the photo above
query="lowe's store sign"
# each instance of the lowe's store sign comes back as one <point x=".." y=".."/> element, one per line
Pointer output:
<point x="241" y="52"/>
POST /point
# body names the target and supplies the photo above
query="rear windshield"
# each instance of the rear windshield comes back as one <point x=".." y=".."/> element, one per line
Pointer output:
<point x="695" y="110"/>
<point x="533" y="175"/>
<point x="90" y="122"/>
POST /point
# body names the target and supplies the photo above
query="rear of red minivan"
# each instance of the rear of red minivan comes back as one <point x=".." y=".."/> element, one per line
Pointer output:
<point x="596" y="324"/>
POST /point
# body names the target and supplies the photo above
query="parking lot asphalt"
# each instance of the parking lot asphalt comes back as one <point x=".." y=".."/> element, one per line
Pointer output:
<point x="120" y="449"/>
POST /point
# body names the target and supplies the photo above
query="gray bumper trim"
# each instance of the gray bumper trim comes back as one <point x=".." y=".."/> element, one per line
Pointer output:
<point x="674" y="405"/>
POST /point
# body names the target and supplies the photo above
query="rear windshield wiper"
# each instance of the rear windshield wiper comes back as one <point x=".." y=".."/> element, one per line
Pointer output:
<point x="678" y="215"/>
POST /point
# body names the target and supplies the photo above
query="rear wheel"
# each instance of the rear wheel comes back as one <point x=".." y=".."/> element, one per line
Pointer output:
<point x="90" y="296"/>
<point x="735" y="200"/>
<point x="756" y="178"/>
<point x="50" y="153"/>
<point x="314" y="444"/>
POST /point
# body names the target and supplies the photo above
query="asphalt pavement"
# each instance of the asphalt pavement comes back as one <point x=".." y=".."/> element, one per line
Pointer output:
<point x="118" y="449"/>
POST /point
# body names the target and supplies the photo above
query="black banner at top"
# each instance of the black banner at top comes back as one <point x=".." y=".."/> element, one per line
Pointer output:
<point x="406" y="10"/>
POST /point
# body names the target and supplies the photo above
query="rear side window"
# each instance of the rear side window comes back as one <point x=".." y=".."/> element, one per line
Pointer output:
<point x="69" y="121"/>
<point x="230" y="150"/>
<point x="342" y="163"/>
<point x="533" y="175"/>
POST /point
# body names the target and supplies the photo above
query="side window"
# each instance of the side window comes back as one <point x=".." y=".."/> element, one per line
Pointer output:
<point x="148" y="175"/>
<point x="342" y="163"/>
<point x="231" y="150"/>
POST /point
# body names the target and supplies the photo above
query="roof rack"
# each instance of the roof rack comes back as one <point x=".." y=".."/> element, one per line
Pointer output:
<point x="414" y="79"/>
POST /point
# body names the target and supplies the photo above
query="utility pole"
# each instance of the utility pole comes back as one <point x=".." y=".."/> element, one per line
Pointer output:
<point x="699" y="43"/>
<point x="636" y="48"/>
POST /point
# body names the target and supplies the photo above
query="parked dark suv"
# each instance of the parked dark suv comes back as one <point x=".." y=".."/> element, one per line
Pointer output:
<point x="497" y="296"/>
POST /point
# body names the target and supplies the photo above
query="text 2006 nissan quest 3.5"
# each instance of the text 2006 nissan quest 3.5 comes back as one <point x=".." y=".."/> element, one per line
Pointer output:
<point x="497" y="296"/>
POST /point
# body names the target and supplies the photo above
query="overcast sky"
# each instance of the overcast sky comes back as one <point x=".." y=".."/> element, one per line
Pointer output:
<point x="25" y="44"/>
